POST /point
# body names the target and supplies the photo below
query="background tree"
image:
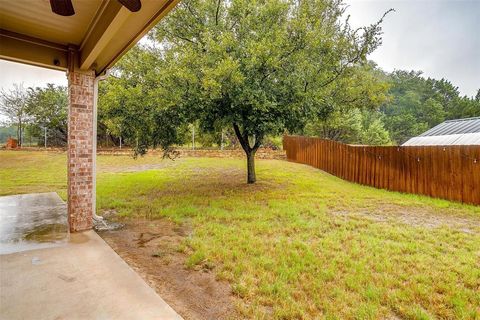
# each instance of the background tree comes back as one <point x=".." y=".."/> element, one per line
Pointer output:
<point x="48" y="110"/>
<point x="352" y="115"/>
<point x="13" y="105"/>
<point x="352" y="127"/>
<point x="418" y="104"/>
<point x="374" y="132"/>
<point x="136" y="104"/>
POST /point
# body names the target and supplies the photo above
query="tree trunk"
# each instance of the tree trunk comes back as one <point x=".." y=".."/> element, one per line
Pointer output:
<point x="251" y="176"/>
<point x="20" y="133"/>
<point x="249" y="151"/>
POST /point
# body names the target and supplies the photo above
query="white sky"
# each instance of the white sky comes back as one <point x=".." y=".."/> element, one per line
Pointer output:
<point x="30" y="76"/>
<point x="438" y="37"/>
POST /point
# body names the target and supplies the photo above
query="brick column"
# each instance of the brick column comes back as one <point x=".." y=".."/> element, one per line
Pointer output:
<point x="80" y="149"/>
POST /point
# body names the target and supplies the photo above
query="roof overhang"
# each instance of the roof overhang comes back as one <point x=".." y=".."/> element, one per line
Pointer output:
<point x="99" y="33"/>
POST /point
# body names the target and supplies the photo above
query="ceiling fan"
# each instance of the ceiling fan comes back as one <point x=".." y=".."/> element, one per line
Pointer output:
<point x="65" y="7"/>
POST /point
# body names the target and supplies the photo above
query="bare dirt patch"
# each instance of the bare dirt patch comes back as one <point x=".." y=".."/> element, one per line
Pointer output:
<point x="134" y="168"/>
<point x="150" y="247"/>
<point x="417" y="217"/>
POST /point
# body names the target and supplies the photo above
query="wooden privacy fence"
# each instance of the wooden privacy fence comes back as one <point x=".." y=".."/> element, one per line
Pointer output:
<point x="447" y="172"/>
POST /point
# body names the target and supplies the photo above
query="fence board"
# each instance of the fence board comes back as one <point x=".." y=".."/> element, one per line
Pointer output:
<point x="448" y="172"/>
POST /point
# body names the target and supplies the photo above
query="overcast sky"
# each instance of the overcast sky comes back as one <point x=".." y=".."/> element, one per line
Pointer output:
<point x="441" y="38"/>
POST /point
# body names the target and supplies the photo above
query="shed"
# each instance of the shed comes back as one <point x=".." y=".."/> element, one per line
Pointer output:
<point x="11" y="143"/>
<point x="451" y="132"/>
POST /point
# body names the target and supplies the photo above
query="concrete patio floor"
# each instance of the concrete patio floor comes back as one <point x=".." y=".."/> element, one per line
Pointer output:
<point x="32" y="221"/>
<point x="78" y="277"/>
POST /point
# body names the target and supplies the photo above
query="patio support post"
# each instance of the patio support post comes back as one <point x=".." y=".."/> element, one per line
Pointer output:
<point x="80" y="147"/>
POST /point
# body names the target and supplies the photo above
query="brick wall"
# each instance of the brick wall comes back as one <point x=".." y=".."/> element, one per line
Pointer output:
<point x="80" y="150"/>
<point x="262" y="153"/>
<point x="236" y="153"/>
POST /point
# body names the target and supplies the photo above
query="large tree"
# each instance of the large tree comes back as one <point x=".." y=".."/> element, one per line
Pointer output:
<point x="261" y="67"/>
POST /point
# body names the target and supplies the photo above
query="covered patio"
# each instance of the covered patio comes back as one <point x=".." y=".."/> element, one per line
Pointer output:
<point x="52" y="265"/>
<point x="50" y="274"/>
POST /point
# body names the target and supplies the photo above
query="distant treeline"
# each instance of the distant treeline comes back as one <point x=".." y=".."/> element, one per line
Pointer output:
<point x="411" y="105"/>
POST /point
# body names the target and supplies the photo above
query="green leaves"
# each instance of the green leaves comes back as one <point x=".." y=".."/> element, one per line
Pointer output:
<point x="47" y="108"/>
<point x="255" y="63"/>
<point x="267" y="66"/>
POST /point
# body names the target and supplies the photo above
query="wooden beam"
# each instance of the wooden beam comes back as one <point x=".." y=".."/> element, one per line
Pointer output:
<point x="160" y="10"/>
<point x="25" y="49"/>
<point x="115" y="30"/>
<point x="110" y="17"/>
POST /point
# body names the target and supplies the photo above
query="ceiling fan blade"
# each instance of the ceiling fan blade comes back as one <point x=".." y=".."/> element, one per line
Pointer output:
<point x="132" y="5"/>
<point x="62" y="7"/>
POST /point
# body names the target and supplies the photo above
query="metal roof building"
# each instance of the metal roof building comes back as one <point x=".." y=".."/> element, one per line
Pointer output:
<point x="451" y="132"/>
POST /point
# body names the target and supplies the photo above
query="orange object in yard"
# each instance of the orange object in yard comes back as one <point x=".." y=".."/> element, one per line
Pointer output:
<point x="12" y="143"/>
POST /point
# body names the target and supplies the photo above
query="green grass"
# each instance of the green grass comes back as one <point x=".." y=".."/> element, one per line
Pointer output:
<point x="26" y="172"/>
<point x="300" y="244"/>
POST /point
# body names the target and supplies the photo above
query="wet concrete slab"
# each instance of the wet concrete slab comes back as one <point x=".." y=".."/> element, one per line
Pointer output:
<point x="84" y="279"/>
<point x="32" y="221"/>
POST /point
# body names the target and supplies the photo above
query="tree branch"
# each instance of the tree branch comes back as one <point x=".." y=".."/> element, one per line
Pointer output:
<point x="216" y="14"/>
<point x="243" y="142"/>
<point x="193" y="13"/>
<point x="180" y="37"/>
<point x="258" y="142"/>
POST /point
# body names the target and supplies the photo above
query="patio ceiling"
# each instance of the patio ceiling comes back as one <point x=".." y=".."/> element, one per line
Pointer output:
<point x="97" y="34"/>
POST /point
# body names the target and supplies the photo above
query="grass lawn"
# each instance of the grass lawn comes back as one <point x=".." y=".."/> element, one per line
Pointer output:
<point x="300" y="244"/>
